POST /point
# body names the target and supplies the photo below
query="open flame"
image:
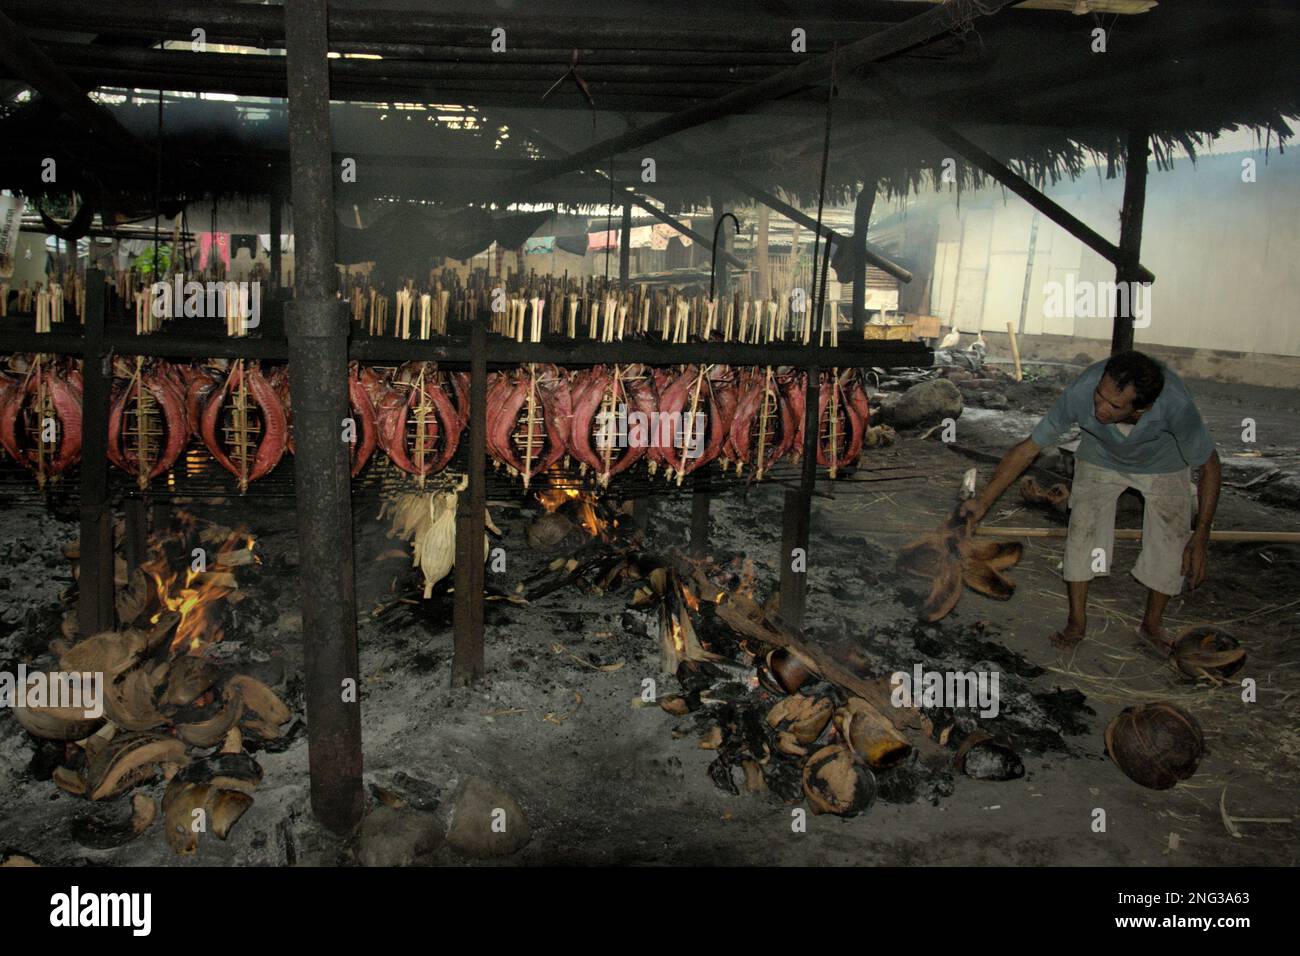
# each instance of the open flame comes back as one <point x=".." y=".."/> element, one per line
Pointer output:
<point x="196" y="594"/>
<point x="582" y="507"/>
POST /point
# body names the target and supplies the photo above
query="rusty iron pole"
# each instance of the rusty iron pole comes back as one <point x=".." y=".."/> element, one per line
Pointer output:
<point x="95" y="599"/>
<point x="317" y="327"/>
<point x="467" y="665"/>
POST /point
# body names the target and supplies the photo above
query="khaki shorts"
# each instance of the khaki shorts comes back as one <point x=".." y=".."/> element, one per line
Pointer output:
<point x="1166" y="524"/>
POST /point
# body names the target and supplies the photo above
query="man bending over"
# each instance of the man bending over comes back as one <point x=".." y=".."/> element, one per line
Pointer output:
<point x="1141" y="430"/>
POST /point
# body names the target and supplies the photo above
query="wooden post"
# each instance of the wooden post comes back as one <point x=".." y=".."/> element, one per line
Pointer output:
<point x="861" y="220"/>
<point x="137" y="531"/>
<point x="277" y="209"/>
<point x="467" y="664"/>
<point x="95" y="604"/>
<point x="699" y="523"/>
<point x="1128" y="270"/>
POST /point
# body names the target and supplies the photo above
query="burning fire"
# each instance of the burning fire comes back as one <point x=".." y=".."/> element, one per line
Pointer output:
<point x="583" y="509"/>
<point x="195" y="596"/>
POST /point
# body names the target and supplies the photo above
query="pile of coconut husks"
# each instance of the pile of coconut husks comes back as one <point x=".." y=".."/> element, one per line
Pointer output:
<point x="182" y="720"/>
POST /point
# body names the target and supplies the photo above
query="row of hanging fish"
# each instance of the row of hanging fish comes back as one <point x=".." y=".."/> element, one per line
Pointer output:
<point x="599" y="420"/>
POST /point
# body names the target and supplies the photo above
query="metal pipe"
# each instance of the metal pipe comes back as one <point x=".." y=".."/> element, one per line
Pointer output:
<point x="713" y="259"/>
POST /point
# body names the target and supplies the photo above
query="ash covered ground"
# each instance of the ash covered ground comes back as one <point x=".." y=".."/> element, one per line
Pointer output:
<point x="604" y="779"/>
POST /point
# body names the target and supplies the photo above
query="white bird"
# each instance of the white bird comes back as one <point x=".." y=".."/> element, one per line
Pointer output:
<point x="951" y="340"/>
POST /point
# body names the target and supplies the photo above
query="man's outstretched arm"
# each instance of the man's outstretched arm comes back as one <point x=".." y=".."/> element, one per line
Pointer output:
<point x="1011" y="467"/>
<point x="1208" y="486"/>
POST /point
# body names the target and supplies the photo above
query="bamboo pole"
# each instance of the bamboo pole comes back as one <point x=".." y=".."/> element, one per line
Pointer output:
<point x="1015" y="349"/>
<point x="1135" y="534"/>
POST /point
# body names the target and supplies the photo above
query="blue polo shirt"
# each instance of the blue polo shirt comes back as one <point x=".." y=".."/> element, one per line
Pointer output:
<point x="1170" y="437"/>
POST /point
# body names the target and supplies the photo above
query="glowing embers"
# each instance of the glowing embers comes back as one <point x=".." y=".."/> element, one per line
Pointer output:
<point x="196" y="593"/>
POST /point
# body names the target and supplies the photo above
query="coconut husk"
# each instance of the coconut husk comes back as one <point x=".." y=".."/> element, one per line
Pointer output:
<point x="179" y="805"/>
<point x="264" y="712"/>
<point x="133" y="599"/>
<point x="16" y="860"/>
<point x="224" y="808"/>
<point x="237" y="771"/>
<point x="106" y="831"/>
<point x="950" y="557"/>
<point x="787" y="743"/>
<point x="127" y="760"/>
<point x="834" y="782"/>
<point x="69" y="781"/>
<point x="754" y="782"/>
<point x="871" y="735"/>
<point x="130" y="702"/>
<point x="109" y="652"/>
<point x="57" y="723"/>
<point x="1207" y="653"/>
<point x="981" y="757"/>
<point x="186" y="679"/>
<point x="1156" y="745"/>
<point x="804" y="718"/>
<point x="982" y="564"/>
<point x="212" y="730"/>
<point x="937" y="558"/>
<point x="1055" y="498"/>
<point x="787" y="670"/>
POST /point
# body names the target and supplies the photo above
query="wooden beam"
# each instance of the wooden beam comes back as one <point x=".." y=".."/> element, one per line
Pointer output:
<point x="38" y="71"/>
<point x="979" y="157"/>
<point x="950" y="15"/>
<point x="1128" y="273"/>
<point x="264" y="25"/>
<point x="875" y="255"/>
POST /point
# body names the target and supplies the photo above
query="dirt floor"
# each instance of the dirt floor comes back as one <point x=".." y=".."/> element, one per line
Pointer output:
<point x="606" y="780"/>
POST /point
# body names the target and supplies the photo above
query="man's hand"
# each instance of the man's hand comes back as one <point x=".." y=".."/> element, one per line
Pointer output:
<point x="1194" y="562"/>
<point x="973" y="510"/>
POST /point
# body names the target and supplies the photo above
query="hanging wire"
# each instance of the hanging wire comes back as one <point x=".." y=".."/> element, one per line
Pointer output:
<point x="819" y="301"/>
<point x="609" y="219"/>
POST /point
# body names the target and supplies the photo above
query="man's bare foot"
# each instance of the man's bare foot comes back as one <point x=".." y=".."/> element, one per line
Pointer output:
<point x="1068" y="636"/>
<point x="1155" y="638"/>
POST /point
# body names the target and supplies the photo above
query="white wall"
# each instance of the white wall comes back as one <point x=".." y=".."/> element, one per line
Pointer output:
<point x="1225" y="253"/>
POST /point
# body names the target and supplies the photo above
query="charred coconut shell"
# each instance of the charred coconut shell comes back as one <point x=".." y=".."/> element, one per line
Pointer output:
<point x="1207" y="652"/>
<point x="1155" y="745"/>
<point x="835" y="782"/>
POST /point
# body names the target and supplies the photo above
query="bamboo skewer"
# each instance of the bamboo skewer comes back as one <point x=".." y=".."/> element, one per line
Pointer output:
<point x="688" y="429"/>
